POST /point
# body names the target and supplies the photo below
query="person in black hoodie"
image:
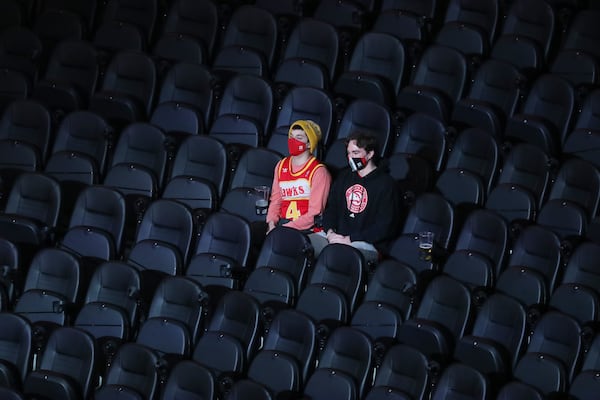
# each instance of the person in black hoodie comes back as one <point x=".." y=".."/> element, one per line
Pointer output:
<point x="363" y="205"/>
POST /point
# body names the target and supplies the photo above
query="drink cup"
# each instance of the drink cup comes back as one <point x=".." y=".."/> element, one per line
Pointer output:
<point x="425" y="245"/>
<point x="262" y="201"/>
<point x="425" y="240"/>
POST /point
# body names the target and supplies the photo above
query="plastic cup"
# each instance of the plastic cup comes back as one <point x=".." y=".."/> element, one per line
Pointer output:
<point x="262" y="202"/>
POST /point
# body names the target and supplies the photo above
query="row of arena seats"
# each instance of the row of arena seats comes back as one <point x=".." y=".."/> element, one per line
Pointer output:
<point x="246" y="111"/>
<point x="202" y="31"/>
<point x="529" y="328"/>
<point x="559" y="129"/>
<point x="80" y="73"/>
<point x="470" y="168"/>
<point x="118" y="221"/>
<point x="164" y="237"/>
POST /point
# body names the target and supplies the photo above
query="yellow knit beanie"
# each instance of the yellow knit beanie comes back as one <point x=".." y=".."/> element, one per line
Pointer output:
<point x="312" y="130"/>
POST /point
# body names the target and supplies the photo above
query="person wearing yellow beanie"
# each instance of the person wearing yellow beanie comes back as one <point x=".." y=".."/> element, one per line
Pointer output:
<point x="301" y="183"/>
<point x="312" y="131"/>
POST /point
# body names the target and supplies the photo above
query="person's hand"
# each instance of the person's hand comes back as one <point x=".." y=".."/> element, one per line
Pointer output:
<point x="271" y="226"/>
<point x="330" y="233"/>
<point x="340" y="239"/>
<point x="333" y="237"/>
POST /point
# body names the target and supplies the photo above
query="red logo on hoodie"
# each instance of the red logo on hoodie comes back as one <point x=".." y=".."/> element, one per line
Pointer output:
<point x="356" y="198"/>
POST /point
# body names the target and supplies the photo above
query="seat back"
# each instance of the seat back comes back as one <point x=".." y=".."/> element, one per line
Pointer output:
<point x="189" y="84"/>
<point x="578" y="181"/>
<point x="325" y="305"/>
<point x="142" y="144"/>
<point x="117" y="284"/>
<point x="475" y="150"/>
<point x="198" y="19"/>
<point x="293" y="333"/>
<point x="225" y="234"/>
<point x="538" y="248"/>
<point x="341" y="267"/>
<point x="504" y="320"/>
<point x="56" y="271"/>
<point x="16" y="338"/>
<point x="512" y="202"/>
<point x="315" y="41"/>
<point x="516" y="390"/>
<point x="376" y="69"/>
<point x="255" y="168"/>
<point x="471" y="268"/>
<point x="302" y="103"/>
<point x="461" y="188"/>
<point x="431" y="212"/>
<point x="493" y="96"/>
<point x="254" y="28"/>
<point x="584" y="71"/>
<point x="238" y="315"/>
<point x="486" y="233"/>
<point x="400" y="362"/>
<point x="248" y="96"/>
<point x="579" y="302"/>
<point x="171" y="48"/>
<point x="540" y="28"/>
<point x="101" y="208"/>
<point x="586" y="117"/>
<point x="84" y="132"/>
<point x="581" y="269"/>
<point x="134" y="366"/>
<point x="189" y="377"/>
<point x="170" y="222"/>
<point x="28" y="121"/>
<point x="275" y="372"/>
<point x="21" y="50"/>
<point x="525" y="284"/>
<point x="558" y="335"/>
<point x="582" y="32"/>
<point x="106" y="37"/>
<point x="180" y="299"/>
<point x="369" y="117"/>
<point x="272" y="288"/>
<point x="527" y="166"/>
<point x="196" y="193"/>
<point x="565" y="218"/>
<point x="69" y="352"/>
<point x="141" y="14"/>
<point x="484" y="15"/>
<point x="551" y="98"/>
<point x="232" y="60"/>
<point x="168" y="337"/>
<point x="288" y="250"/>
<point x="74" y="61"/>
<point x="449" y="80"/>
<point x="36" y="196"/>
<point x="132" y="73"/>
<point x="471" y="383"/>
<point x="349" y="351"/>
<point x="202" y="157"/>
<point x="447" y="302"/>
<point x="422" y="135"/>
<point x="330" y="384"/>
<point x="177" y="120"/>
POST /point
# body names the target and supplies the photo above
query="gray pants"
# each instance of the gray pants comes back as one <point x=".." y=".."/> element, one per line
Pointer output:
<point x="319" y="241"/>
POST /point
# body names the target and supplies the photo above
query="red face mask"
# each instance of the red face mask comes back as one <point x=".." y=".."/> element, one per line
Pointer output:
<point x="296" y="147"/>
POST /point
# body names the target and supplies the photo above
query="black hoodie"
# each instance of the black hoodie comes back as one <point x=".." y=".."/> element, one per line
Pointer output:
<point x="364" y="208"/>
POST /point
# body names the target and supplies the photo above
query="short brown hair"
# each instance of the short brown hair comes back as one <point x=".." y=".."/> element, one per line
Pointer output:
<point x="364" y="140"/>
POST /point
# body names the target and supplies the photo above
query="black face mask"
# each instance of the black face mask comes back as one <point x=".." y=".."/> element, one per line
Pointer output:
<point x="357" y="163"/>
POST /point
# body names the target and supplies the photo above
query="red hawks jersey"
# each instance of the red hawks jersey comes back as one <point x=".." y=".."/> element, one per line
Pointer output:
<point x="295" y="187"/>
